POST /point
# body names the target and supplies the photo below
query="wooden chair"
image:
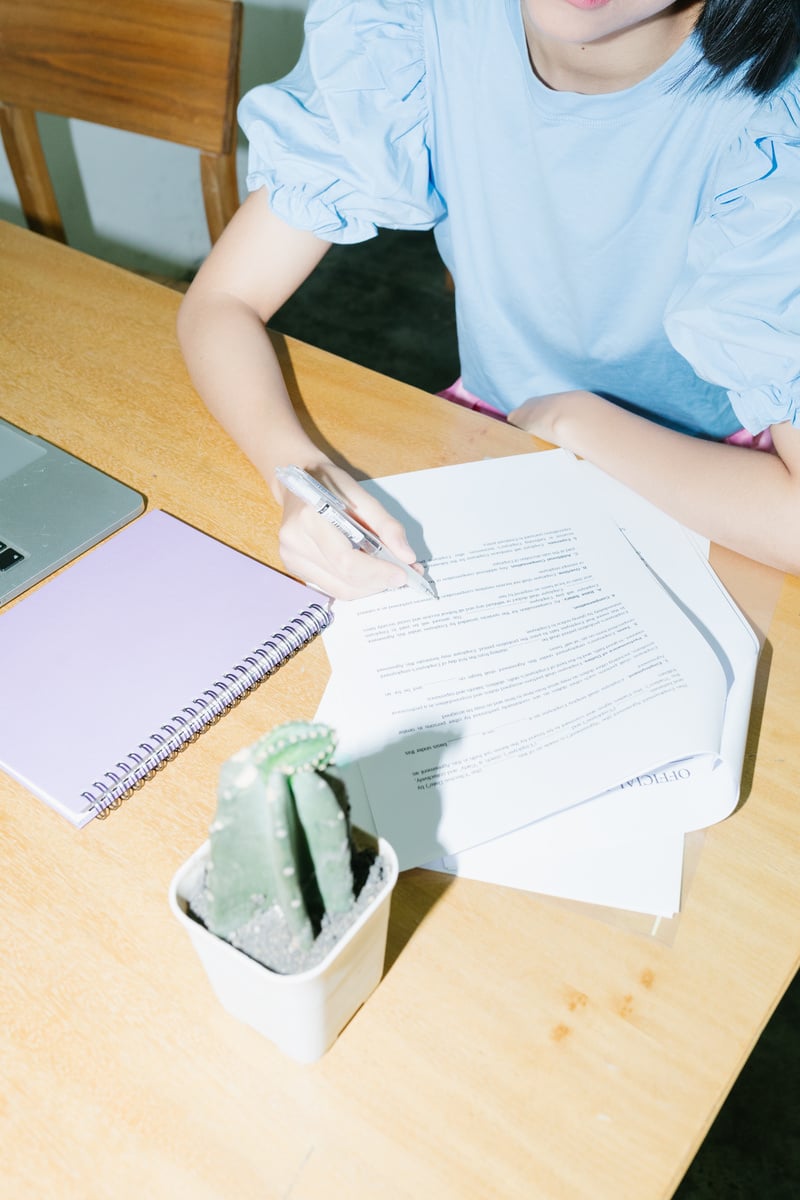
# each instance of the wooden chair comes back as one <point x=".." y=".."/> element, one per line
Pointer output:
<point x="165" y="68"/>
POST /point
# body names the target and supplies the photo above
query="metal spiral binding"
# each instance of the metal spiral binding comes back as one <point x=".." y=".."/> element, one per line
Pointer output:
<point x="107" y="794"/>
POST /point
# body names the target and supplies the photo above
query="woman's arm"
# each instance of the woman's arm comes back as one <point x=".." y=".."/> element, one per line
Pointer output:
<point x="254" y="267"/>
<point x="741" y="498"/>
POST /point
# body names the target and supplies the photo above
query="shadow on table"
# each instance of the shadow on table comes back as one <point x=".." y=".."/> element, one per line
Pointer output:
<point x="756" y="720"/>
<point x="416" y="894"/>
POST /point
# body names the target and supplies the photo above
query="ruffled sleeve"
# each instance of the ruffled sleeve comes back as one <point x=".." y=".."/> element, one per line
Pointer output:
<point x="341" y="143"/>
<point x="735" y="313"/>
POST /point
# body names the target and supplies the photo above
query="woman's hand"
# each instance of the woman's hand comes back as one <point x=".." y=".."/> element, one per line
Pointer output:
<point x="547" y="417"/>
<point x="313" y="550"/>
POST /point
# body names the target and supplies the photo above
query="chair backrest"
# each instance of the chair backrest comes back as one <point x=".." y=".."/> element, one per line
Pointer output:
<point x="165" y="68"/>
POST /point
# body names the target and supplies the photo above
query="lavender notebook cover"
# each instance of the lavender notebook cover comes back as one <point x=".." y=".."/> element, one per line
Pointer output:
<point x="109" y="651"/>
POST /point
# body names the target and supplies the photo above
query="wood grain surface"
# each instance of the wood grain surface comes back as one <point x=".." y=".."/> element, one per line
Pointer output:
<point x="516" y="1048"/>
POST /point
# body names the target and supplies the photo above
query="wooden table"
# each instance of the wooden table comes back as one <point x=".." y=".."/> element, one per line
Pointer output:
<point x="516" y="1048"/>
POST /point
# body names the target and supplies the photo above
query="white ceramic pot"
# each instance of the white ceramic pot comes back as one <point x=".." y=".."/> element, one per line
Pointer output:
<point x="302" y="1014"/>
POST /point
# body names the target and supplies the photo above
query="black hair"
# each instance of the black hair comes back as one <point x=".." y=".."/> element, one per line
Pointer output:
<point x="761" y="35"/>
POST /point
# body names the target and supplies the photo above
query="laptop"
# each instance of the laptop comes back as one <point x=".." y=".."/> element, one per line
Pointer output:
<point x="53" y="506"/>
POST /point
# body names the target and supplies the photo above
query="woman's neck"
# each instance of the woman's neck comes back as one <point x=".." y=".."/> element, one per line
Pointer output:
<point x="613" y="63"/>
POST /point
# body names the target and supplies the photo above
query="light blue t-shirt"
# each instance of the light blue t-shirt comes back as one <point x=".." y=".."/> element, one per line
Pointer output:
<point x="644" y="245"/>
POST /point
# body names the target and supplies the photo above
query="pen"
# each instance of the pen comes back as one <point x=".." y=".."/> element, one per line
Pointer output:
<point x="310" y="491"/>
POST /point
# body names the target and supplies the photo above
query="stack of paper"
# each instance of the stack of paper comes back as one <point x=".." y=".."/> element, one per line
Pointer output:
<point x="575" y="701"/>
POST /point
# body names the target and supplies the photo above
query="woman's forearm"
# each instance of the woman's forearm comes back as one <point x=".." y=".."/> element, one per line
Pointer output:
<point x="235" y="370"/>
<point x="740" y="498"/>
<point x="258" y="262"/>
<point x="255" y="266"/>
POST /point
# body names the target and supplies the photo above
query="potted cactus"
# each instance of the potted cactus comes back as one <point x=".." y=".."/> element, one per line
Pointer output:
<point x="286" y="904"/>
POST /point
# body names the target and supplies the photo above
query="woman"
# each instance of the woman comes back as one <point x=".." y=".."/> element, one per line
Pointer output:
<point x="614" y="187"/>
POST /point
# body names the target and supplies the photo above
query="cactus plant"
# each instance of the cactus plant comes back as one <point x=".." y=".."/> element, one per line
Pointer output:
<point x="286" y="905"/>
<point x="281" y="839"/>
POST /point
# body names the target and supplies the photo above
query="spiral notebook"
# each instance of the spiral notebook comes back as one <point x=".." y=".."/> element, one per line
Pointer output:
<point x="113" y="666"/>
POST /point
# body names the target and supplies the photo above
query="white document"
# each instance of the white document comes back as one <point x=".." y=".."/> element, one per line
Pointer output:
<point x="554" y="667"/>
<point x="642" y="876"/>
<point x="556" y="856"/>
<point x="625" y="850"/>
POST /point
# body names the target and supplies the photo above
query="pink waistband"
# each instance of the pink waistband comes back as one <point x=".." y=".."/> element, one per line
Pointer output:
<point x="459" y="395"/>
<point x="755" y="441"/>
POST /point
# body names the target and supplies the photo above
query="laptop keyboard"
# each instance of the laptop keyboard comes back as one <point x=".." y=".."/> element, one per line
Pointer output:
<point x="9" y="556"/>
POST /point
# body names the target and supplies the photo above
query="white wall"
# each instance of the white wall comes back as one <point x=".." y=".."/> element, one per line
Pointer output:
<point x="136" y="201"/>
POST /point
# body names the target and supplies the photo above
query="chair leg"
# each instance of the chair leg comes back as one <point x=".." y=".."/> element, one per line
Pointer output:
<point x="220" y="190"/>
<point x="28" y="166"/>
